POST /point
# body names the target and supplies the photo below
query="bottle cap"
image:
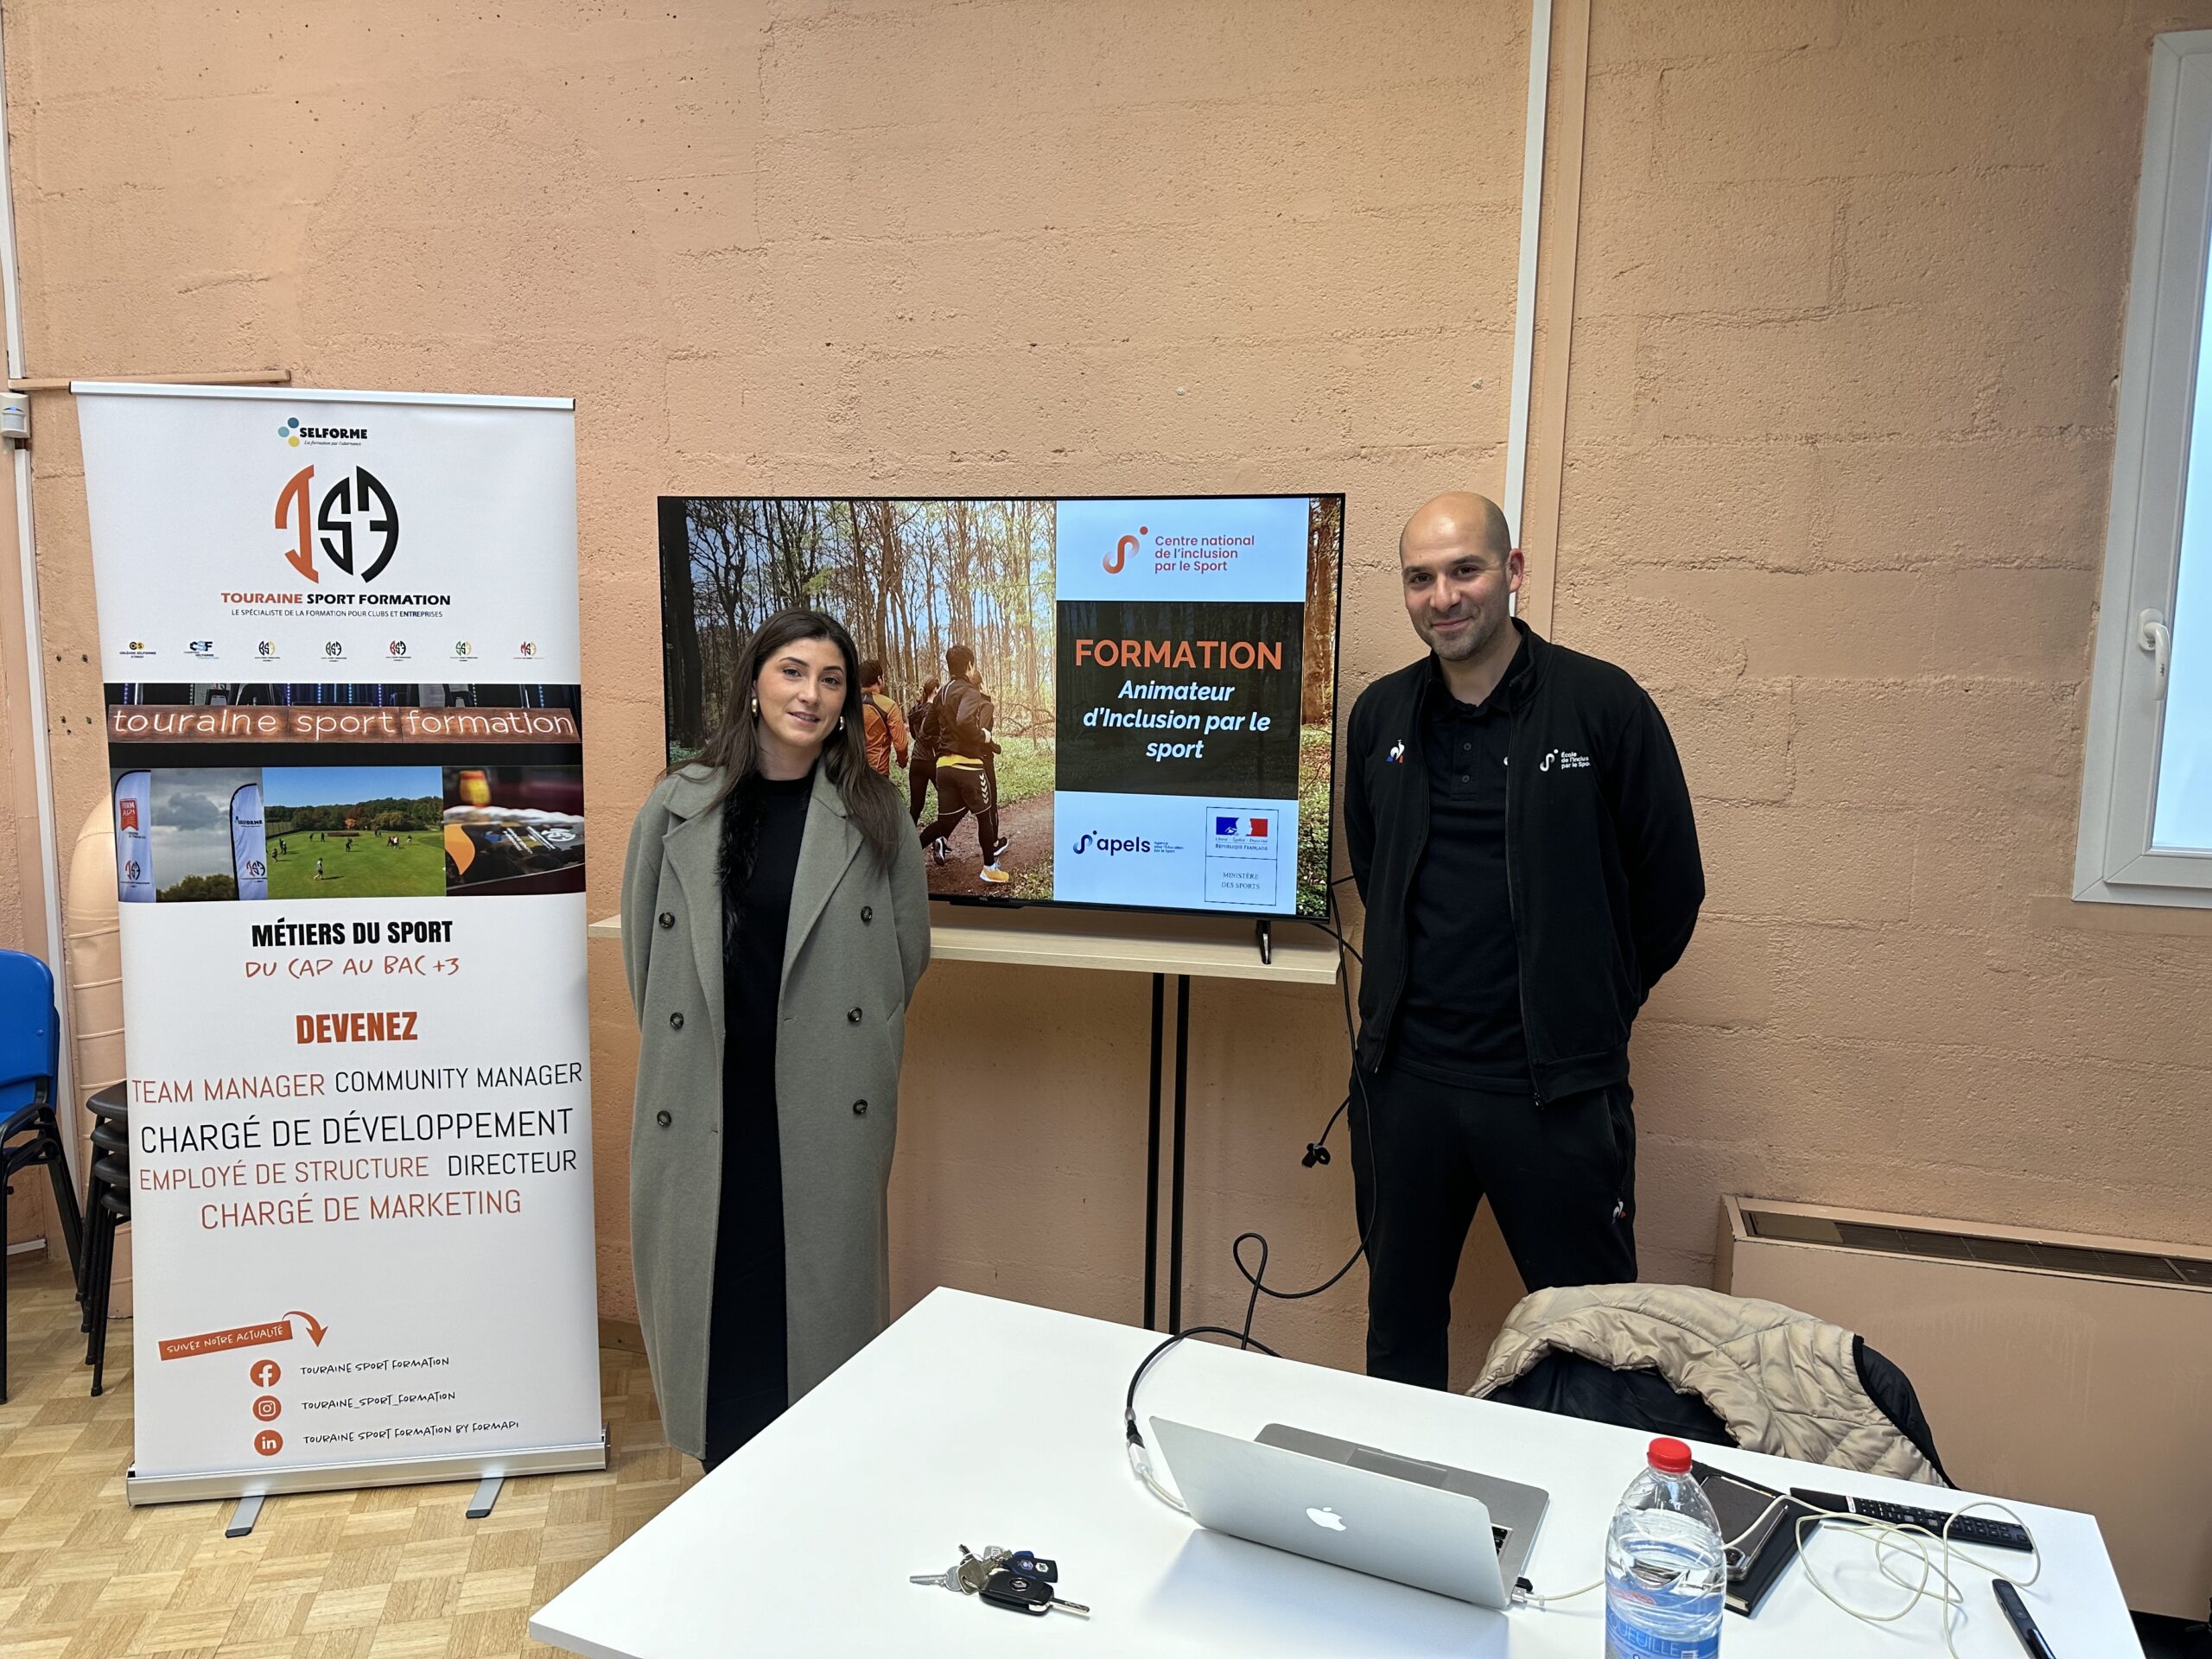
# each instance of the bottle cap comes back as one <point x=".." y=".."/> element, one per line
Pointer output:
<point x="1670" y="1457"/>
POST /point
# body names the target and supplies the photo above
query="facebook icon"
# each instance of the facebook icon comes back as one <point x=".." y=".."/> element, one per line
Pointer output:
<point x="264" y="1373"/>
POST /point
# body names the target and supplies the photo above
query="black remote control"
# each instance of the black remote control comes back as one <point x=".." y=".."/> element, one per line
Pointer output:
<point x="1974" y="1530"/>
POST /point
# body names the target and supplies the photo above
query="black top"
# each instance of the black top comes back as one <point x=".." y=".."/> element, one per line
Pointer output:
<point x="1459" y="1021"/>
<point x="1600" y="844"/>
<point x="747" y="1378"/>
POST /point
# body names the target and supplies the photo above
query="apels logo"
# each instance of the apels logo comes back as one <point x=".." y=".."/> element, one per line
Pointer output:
<point x="1112" y="846"/>
<point x="1255" y="829"/>
<point x="354" y="524"/>
<point x="1122" y="548"/>
<point x="201" y="647"/>
<point x="396" y="648"/>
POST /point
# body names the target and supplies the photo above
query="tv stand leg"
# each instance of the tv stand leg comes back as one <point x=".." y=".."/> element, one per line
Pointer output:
<point x="1264" y="935"/>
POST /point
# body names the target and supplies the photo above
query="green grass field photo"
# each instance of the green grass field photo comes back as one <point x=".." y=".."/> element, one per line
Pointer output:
<point x="331" y="831"/>
<point x="361" y="865"/>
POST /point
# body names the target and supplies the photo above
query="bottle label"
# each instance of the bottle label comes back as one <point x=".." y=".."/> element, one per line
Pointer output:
<point x="1624" y="1640"/>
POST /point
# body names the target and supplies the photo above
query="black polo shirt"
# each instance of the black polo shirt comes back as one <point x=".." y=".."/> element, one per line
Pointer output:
<point x="1459" y="1021"/>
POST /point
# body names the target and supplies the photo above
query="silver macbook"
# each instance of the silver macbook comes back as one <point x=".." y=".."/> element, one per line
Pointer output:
<point x="1427" y="1525"/>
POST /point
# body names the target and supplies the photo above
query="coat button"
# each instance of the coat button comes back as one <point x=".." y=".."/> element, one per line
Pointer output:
<point x="860" y="1109"/>
<point x="852" y="1016"/>
<point x="867" y="913"/>
<point x="662" y="1119"/>
<point x="668" y="919"/>
<point x="675" y="1022"/>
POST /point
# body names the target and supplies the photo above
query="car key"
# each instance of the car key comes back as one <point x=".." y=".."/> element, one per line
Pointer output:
<point x="1018" y="1593"/>
<point x="1035" y="1566"/>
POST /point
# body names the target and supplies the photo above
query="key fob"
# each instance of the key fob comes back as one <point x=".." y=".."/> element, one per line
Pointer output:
<point x="1018" y="1593"/>
<point x="1035" y="1566"/>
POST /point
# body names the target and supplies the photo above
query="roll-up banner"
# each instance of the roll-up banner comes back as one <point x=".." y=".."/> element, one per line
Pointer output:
<point x="338" y="631"/>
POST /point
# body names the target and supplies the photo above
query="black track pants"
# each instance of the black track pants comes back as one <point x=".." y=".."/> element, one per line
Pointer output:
<point x="1561" y="1178"/>
<point x="960" y="790"/>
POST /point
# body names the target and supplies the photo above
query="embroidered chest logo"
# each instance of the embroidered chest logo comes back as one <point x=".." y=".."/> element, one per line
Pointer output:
<point x="1564" y="760"/>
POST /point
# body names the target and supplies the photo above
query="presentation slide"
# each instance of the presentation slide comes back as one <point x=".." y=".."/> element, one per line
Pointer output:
<point x="1087" y="701"/>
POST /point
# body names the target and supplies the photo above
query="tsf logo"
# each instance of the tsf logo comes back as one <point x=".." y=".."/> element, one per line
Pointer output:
<point x="1122" y="548"/>
<point x="354" y="523"/>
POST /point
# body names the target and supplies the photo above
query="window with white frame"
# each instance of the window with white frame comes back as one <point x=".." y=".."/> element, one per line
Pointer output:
<point x="2147" y="780"/>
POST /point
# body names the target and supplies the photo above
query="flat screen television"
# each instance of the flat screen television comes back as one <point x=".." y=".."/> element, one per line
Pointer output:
<point x="1153" y="690"/>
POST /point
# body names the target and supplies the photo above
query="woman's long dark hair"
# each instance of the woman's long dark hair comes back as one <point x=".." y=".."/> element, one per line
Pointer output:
<point x="734" y="745"/>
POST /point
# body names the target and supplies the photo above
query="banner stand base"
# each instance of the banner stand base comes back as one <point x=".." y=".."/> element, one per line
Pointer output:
<point x="254" y="1484"/>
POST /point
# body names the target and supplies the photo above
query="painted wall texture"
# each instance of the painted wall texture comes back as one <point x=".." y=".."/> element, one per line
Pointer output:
<point x="1846" y="315"/>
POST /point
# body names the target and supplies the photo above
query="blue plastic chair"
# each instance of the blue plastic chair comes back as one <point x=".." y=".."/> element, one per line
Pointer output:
<point x="30" y="1135"/>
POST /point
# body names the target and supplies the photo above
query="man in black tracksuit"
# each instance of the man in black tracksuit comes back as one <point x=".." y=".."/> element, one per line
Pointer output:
<point x="1520" y="833"/>
<point x="960" y="732"/>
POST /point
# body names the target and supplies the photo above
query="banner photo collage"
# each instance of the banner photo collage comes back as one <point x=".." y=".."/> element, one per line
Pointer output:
<point x="339" y="637"/>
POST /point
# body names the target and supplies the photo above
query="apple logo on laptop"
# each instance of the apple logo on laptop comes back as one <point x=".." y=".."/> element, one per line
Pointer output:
<point x="1326" y="1517"/>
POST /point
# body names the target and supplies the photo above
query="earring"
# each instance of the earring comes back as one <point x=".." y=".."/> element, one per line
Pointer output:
<point x="841" y="722"/>
<point x="756" y="706"/>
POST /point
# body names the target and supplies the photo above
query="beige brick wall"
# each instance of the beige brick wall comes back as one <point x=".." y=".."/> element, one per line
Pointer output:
<point x="1848" y="307"/>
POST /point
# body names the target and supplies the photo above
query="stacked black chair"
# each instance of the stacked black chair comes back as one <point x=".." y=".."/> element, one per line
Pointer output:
<point x="109" y="1202"/>
<point x="30" y="1133"/>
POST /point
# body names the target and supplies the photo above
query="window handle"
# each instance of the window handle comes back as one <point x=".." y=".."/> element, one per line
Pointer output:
<point x="2151" y="634"/>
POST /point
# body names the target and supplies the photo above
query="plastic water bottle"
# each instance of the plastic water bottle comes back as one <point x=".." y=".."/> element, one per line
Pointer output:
<point x="1665" y="1575"/>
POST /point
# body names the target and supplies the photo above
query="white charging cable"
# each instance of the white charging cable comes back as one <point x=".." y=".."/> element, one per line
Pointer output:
<point x="1934" y="1578"/>
<point x="1141" y="1463"/>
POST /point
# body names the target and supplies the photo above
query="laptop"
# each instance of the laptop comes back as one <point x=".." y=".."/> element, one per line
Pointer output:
<point x="1427" y="1525"/>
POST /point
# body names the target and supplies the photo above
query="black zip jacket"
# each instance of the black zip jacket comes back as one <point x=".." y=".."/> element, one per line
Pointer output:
<point x="1601" y="857"/>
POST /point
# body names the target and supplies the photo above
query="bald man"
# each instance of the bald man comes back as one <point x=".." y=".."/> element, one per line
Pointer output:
<point x="1520" y="833"/>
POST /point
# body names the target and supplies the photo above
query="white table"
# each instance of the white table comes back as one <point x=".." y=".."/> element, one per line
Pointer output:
<point x="977" y="1421"/>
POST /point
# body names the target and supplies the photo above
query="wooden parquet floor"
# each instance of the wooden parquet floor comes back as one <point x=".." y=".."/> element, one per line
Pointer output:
<point x="391" y="1572"/>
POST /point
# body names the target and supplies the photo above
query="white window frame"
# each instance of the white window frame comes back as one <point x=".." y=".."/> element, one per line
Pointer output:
<point x="2113" y="862"/>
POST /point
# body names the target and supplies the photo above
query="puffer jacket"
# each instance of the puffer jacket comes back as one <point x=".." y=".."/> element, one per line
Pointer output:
<point x="1780" y="1381"/>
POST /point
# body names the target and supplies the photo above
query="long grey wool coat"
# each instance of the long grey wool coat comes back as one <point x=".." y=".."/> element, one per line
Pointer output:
<point x="859" y="940"/>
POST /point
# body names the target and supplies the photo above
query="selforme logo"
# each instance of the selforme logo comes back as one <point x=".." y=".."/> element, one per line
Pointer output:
<point x="294" y="434"/>
<point x="1110" y="845"/>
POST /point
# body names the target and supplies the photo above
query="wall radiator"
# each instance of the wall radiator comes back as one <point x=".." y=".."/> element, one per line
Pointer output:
<point x="2061" y="1368"/>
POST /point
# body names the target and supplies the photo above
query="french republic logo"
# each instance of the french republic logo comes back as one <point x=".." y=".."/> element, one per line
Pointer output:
<point x="1122" y="548"/>
<point x="354" y="524"/>
<point x="1256" y="828"/>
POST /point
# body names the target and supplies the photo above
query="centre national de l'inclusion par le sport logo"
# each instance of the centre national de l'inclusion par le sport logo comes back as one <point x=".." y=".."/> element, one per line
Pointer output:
<point x="356" y="506"/>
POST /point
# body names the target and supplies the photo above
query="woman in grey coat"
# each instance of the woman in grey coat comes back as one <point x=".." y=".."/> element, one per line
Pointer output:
<point x="775" y="919"/>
